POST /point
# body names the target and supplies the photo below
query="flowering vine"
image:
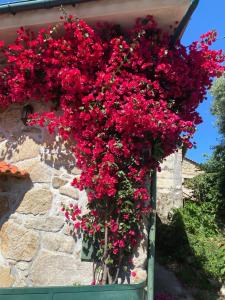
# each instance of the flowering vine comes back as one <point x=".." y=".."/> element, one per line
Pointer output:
<point x="127" y="100"/>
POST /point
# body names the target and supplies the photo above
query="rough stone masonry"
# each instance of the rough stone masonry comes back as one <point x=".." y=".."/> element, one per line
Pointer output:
<point x="36" y="248"/>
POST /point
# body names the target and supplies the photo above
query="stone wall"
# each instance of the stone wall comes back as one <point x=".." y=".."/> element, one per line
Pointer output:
<point x="190" y="169"/>
<point x="36" y="248"/>
<point x="169" y="185"/>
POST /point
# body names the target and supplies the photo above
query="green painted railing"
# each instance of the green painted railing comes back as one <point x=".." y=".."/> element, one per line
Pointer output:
<point x="151" y="239"/>
<point x="107" y="292"/>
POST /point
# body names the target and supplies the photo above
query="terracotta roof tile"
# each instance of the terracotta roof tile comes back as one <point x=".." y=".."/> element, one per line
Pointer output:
<point x="10" y="170"/>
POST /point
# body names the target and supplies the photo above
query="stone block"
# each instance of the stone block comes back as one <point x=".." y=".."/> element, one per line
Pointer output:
<point x="57" y="269"/>
<point x="69" y="191"/>
<point x="26" y="150"/>
<point x="38" y="171"/>
<point x="58" y="182"/>
<point x="55" y="242"/>
<point x="50" y="224"/>
<point x="36" y="201"/>
<point x="6" y="279"/>
<point x="76" y="171"/>
<point x="18" y="243"/>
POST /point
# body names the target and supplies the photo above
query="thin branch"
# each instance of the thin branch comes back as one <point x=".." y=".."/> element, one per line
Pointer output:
<point x="118" y="268"/>
<point x="105" y="255"/>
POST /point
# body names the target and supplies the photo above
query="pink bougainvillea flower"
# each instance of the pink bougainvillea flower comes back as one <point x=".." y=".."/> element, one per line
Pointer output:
<point x="124" y="101"/>
<point x="133" y="274"/>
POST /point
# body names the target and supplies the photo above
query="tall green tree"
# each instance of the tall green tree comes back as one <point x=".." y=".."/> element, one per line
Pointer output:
<point x="210" y="186"/>
<point x="218" y="107"/>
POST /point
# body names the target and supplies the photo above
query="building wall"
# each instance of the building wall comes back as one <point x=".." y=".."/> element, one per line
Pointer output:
<point x="190" y="169"/>
<point x="36" y="248"/>
<point x="169" y="185"/>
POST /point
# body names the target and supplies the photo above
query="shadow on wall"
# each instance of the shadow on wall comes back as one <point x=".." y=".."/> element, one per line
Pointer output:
<point x="58" y="154"/>
<point x="19" y="142"/>
<point x="12" y="191"/>
<point x="32" y="226"/>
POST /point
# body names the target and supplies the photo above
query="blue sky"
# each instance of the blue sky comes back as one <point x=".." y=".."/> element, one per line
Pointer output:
<point x="10" y="1"/>
<point x="210" y="14"/>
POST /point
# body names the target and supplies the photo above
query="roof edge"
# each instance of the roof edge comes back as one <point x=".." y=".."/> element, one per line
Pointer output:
<point x="193" y="162"/>
<point x="184" y="22"/>
<point x="15" y="7"/>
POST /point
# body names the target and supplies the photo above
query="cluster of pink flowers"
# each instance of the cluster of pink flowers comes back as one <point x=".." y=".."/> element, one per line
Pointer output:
<point x="127" y="101"/>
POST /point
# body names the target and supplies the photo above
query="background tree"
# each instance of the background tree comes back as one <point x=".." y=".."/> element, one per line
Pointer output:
<point x="218" y="107"/>
<point x="210" y="186"/>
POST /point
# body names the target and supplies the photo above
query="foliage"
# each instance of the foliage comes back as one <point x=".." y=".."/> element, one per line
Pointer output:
<point x="194" y="239"/>
<point x="209" y="187"/>
<point x="204" y="220"/>
<point x="126" y="100"/>
<point x="207" y="243"/>
<point x="215" y="167"/>
<point x="218" y="107"/>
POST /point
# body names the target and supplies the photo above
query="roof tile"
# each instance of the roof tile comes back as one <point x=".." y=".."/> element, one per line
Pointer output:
<point x="10" y="170"/>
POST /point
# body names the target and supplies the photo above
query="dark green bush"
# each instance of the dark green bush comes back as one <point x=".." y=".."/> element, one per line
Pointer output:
<point x="194" y="239"/>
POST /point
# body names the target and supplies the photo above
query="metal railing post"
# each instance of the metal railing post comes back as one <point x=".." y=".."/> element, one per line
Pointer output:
<point x="151" y="240"/>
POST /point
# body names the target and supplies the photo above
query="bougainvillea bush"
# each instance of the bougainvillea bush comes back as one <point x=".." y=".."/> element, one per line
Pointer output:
<point x="127" y="100"/>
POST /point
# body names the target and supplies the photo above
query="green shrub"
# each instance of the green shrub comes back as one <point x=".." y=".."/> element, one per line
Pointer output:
<point x="194" y="240"/>
<point x="205" y="239"/>
<point x="195" y="237"/>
